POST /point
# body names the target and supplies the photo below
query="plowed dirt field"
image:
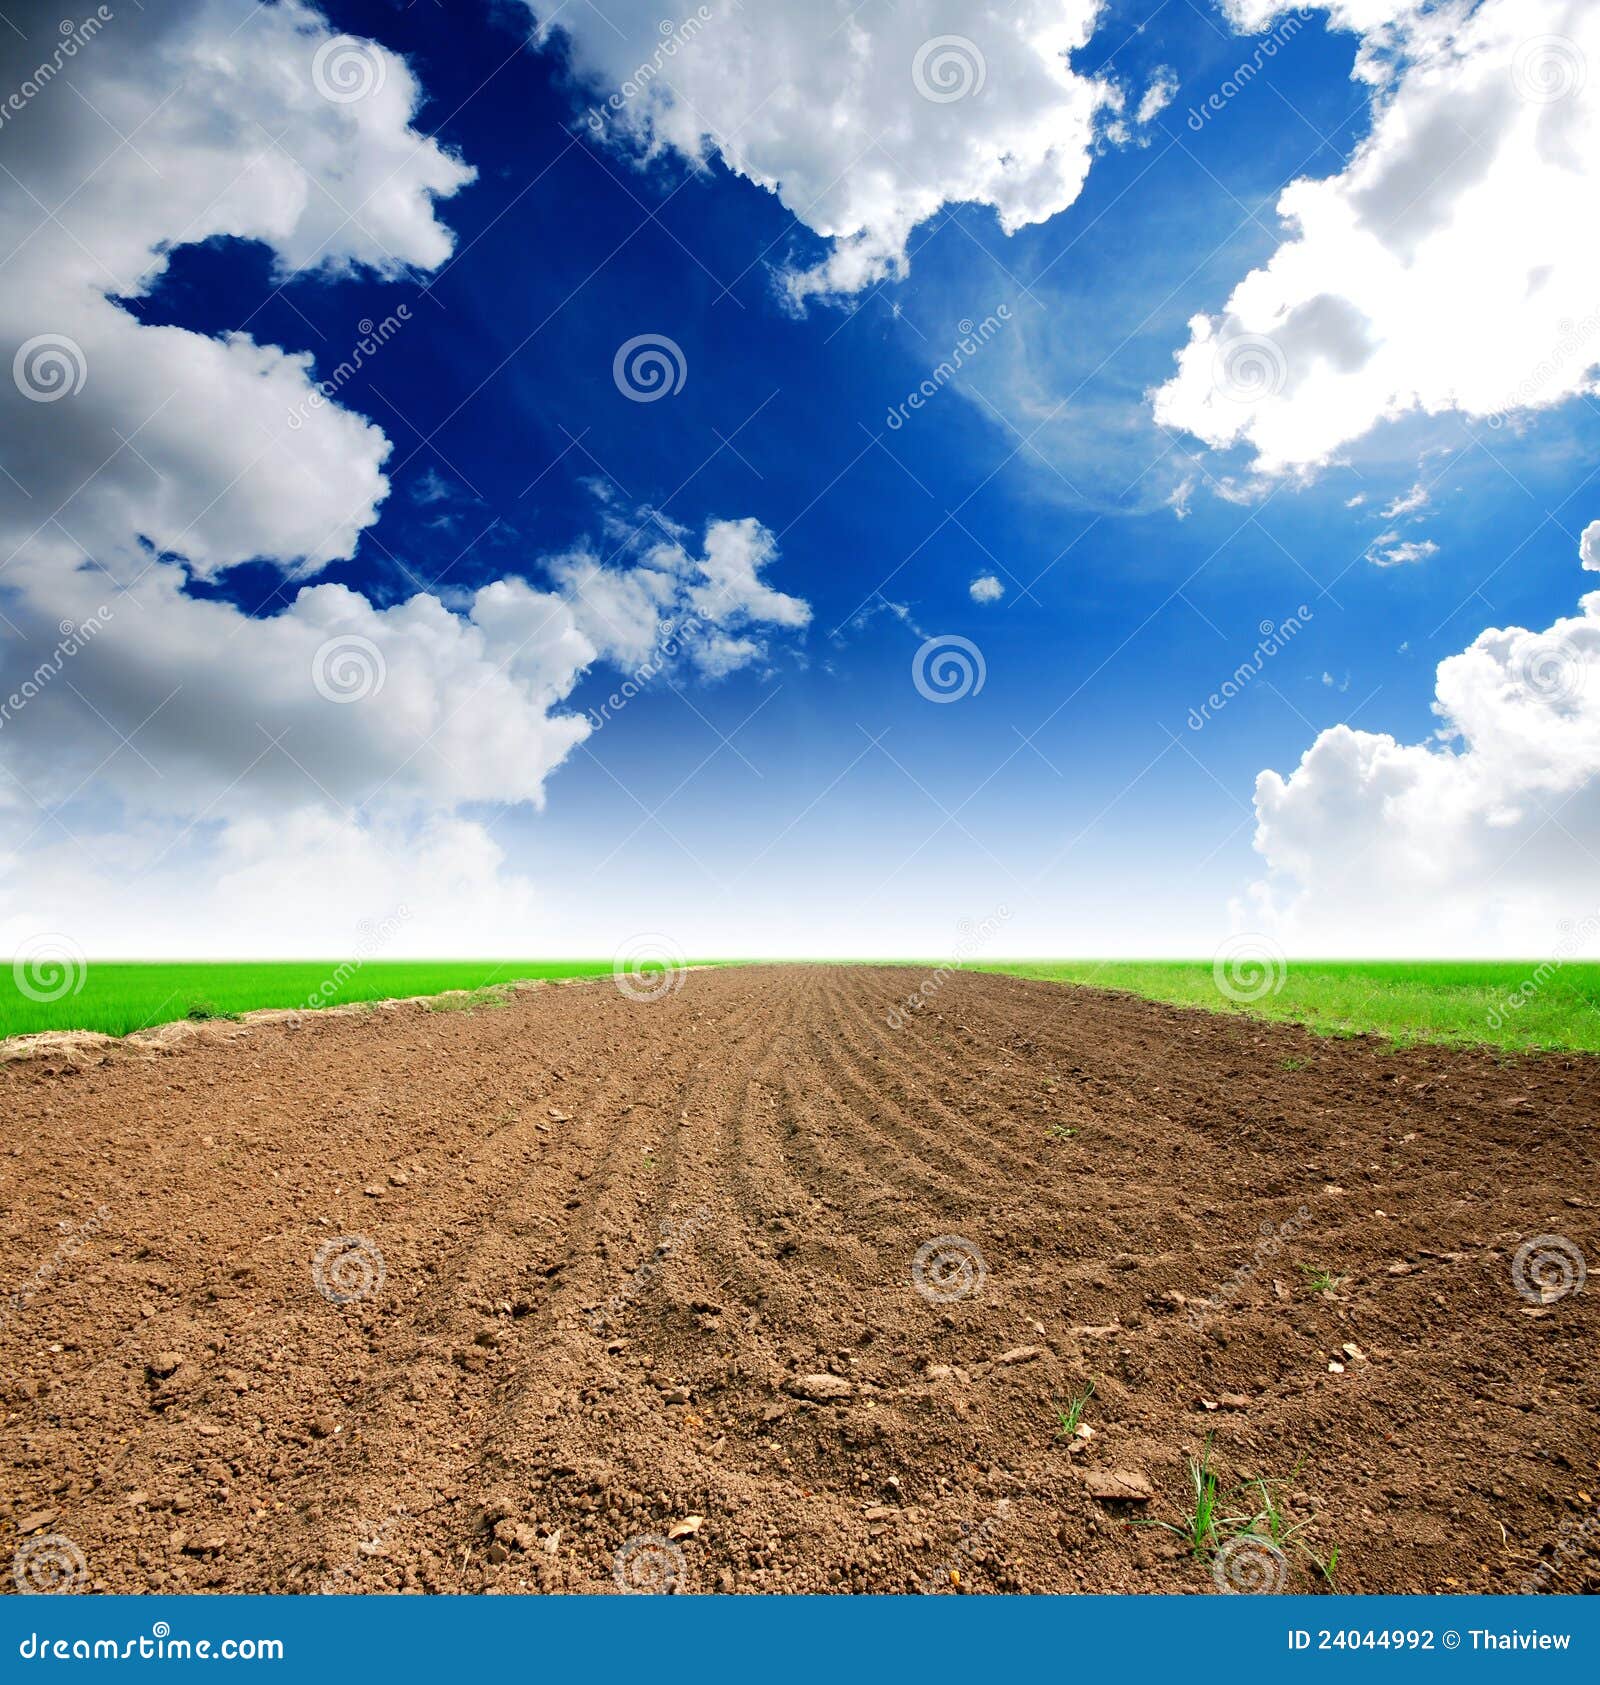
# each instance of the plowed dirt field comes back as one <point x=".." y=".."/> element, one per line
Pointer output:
<point x="741" y="1289"/>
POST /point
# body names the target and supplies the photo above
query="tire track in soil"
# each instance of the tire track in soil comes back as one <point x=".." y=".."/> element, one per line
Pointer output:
<point x="479" y="1433"/>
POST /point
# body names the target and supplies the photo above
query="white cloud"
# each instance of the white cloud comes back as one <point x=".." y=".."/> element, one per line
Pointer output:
<point x="1362" y="16"/>
<point x="1386" y="552"/>
<point x="216" y="449"/>
<point x="735" y="553"/>
<point x="1449" y="267"/>
<point x="1480" y="841"/>
<point x="986" y="589"/>
<point x="864" y="120"/>
<point x="1407" y="504"/>
<point x="1158" y="95"/>
<point x="1589" y="547"/>
<point x="328" y="740"/>
<point x="300" y="882"/>
<point x="663" y="588"/>
<point x="431" y="487"/>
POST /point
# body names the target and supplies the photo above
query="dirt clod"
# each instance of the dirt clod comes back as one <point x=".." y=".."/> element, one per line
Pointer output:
<point x="1121" y="1486"/>
<point x="821" y="1389"/>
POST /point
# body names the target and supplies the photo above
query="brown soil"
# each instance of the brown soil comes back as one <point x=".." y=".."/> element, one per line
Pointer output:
<point x="520" y="1398"/>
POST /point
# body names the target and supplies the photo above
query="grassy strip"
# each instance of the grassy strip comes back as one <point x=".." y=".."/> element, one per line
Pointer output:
<point x="1519" y="1005"/>
<point x="117" y="998"/>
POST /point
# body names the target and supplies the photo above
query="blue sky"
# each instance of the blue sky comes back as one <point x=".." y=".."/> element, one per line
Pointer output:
<point x="813" y="799"/>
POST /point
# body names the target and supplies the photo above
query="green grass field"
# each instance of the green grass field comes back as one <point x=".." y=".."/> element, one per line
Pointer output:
<point x="1466" y="1003"/>
<point x="1556" y="1006"/>
<point x="118" y="998"/>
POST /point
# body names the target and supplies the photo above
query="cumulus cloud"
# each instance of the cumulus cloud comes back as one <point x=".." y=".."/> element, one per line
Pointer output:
<point x="986" y="589"/>
<point x="865" y="121"/>
<point x="1449" y="267"/>
<point x="141" y="722"/>
<point x="1589" y="547"/>
<point x="663" y="591"/>
<point x="215" y="449"/>
<point x="1477" y="841"/>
